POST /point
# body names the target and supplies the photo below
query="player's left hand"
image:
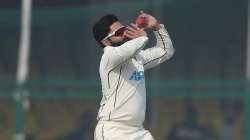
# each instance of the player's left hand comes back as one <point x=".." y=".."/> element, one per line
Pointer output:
<point x="151" y="21"/>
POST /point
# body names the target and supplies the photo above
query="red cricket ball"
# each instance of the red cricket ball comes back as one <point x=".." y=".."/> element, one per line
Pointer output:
<point x="140" y="22"/>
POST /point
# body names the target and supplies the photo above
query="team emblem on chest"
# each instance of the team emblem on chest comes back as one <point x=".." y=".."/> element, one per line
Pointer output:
<point x="137" y="75"/>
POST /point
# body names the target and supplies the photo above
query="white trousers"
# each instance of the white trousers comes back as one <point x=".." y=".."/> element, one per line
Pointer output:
<point x="108" y="130"/>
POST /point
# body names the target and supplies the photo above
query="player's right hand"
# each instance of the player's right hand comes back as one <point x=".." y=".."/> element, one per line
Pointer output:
<point x="134" y="32"/>
<point x="150" y="21"/>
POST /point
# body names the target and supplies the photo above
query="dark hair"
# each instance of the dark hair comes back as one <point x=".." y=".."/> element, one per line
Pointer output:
<point x="102" y="27"/>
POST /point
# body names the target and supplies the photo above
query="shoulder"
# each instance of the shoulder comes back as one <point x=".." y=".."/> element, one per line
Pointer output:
<point x="108" y="48"/>
<point x="107" y="52"/>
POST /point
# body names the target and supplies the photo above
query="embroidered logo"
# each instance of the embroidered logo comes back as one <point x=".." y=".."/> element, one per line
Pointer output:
<point x="137" y="75"/>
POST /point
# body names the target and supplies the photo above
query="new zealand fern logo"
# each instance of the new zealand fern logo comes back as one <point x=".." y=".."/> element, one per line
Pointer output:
<point x="137" y="75"/>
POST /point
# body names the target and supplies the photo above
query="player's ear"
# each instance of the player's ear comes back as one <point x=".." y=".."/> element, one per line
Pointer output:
<point x="106" y="42"/>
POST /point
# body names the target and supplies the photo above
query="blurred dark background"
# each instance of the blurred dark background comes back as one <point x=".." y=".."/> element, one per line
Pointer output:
<point x="207" y="72"/>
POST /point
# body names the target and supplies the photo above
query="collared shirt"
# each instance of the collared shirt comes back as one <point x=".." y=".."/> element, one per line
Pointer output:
<point x="122" y="77"/>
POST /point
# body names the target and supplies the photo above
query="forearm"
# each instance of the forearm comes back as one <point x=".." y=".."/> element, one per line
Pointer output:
<point x="120" y="54"/>
<point x="164" y="47"/>
<point x="163" y="39"/>
<point x="129" y="48"/>
<point x="162" y="51"/>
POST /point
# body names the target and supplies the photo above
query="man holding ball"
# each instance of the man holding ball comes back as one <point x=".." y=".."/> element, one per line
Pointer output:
<point x="123" y="105"/>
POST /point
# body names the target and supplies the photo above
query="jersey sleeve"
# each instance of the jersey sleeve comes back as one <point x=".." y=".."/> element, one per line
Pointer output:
<point x="162" y="51"/>
<point x="118" y="55"/>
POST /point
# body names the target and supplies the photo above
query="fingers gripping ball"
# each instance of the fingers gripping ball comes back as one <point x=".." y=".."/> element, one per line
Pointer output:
<point x="140" y="22"/>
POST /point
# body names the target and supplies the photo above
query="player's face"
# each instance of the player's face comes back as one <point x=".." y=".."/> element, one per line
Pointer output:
<point x="118" y="38"/>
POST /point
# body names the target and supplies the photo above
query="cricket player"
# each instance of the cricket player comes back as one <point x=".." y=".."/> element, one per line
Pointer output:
<point x="122" y="66"/>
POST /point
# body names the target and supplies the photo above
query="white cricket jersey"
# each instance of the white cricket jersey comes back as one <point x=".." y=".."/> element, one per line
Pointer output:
<point x="122" y="77"/>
